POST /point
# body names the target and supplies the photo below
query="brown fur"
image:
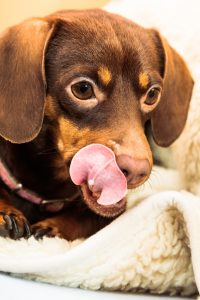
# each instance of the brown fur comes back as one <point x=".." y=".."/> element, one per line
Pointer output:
<point x="42" y="127"/>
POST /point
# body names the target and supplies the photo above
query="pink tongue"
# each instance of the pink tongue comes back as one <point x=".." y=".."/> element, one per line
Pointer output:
<point x="95" y="165"/>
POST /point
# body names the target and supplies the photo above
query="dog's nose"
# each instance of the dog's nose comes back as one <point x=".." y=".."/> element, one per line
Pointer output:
<point x="135" y="170"/>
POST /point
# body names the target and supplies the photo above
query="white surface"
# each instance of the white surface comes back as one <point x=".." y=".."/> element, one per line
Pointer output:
<point x="14" y="288"/>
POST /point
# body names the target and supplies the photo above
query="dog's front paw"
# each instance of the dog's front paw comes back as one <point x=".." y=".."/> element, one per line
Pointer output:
<point x="13" y="224"/>
<point x="44" y="228"/>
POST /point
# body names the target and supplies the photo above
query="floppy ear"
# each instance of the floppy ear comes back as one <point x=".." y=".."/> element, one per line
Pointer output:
<point x="169" y="118"/>
<point x="22" y="79"/>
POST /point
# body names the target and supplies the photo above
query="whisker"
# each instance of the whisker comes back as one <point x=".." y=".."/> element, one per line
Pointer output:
<point x="54" y="151"/>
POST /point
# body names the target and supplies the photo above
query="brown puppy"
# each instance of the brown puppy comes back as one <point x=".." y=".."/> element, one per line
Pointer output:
<point x="69" y="80"/>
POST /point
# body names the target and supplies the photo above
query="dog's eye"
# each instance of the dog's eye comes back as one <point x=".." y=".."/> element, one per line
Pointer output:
<point x="84" y="93"/>
<point x="82" y="90"/>
<point x="153" y="95"/>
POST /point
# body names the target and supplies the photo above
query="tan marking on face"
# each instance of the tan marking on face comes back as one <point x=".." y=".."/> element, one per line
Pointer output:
<point x="50" y="109"/>
<point x="74" y="138"/>
<point x="71" y="137"/>
<point x="105" y="75"/>
<point x="143" y="79"/>
<point x="60" y="145"/>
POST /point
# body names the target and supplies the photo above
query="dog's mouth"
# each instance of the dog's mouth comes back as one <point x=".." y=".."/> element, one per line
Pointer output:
<point x="91" y="199"/>
<point x="103" y="184"/>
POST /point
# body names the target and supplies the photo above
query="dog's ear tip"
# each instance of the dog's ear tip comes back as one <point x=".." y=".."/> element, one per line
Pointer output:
<point x="18" y="139"/>
<point x="164" y="140"/>
<point x="21" y="135"/>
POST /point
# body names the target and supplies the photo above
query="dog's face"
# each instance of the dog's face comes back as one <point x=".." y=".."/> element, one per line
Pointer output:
<point x="102" y="88"/>
<point x="104" y="78"/>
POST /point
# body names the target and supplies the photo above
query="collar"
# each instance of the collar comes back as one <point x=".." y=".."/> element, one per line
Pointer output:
<point x="16" y="187"/>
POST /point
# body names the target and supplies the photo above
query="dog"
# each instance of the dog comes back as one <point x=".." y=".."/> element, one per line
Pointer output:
<point x="72" y="79"/>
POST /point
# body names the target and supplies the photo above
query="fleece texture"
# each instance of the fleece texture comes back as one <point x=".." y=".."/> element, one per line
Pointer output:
<point x="154" y="246"/>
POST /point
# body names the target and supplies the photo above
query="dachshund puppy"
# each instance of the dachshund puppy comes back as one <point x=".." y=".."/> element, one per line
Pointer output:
<point x="72" y="79"/>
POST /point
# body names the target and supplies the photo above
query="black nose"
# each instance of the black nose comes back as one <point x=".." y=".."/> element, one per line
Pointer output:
<point x="135" y="170"/>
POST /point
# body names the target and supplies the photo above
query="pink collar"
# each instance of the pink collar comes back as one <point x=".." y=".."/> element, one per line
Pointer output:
<point x="17" y="188"/>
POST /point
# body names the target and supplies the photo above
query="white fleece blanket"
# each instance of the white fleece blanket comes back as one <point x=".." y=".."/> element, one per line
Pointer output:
<point x="155" y="245"/>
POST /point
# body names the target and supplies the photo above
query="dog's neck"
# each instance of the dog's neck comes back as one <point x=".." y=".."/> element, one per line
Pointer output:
<point x="37" y="165"/>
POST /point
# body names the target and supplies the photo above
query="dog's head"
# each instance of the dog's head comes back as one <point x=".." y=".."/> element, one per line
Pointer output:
<point x="99" y="77"/>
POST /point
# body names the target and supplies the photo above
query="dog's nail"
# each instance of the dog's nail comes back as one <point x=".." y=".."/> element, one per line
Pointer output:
<point x="39" y="233"/>
<point x="27" y="229"/>
<point x="15" y="230"/>
<point x="8" y="221"/>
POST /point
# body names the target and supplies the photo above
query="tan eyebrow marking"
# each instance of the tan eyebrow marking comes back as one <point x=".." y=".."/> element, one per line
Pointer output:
<point x="143" y="79"/>
<point x="105" y="75"/>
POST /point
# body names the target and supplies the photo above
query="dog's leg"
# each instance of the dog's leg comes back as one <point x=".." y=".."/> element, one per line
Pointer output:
<point x="70" y="225"/>
<point x="13" y="224"/>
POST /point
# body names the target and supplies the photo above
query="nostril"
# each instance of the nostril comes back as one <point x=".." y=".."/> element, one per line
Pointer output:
<point x="125" y="172"/>
<point x="141" y="175"/>
<point x="135" y="170"/>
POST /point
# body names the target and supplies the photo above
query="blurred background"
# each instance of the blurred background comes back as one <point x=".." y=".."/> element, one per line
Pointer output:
<point x="14" y="11"/>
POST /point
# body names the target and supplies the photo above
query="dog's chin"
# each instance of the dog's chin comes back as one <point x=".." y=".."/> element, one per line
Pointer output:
<point x="103" y="210"/>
